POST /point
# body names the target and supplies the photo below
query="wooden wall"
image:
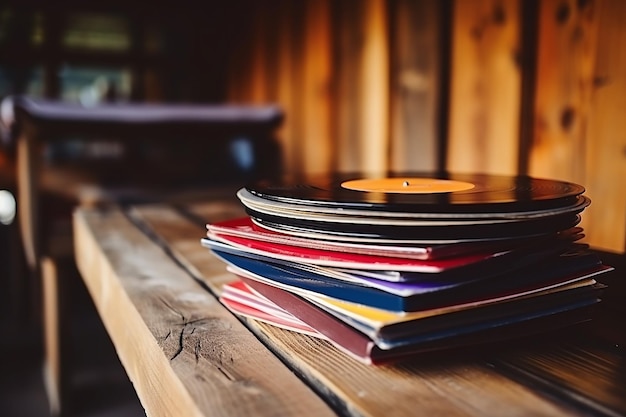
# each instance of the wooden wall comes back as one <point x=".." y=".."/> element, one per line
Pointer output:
<point x="485" y="86"/>
<point x="579" y="128"/>
<point x="500" y="86"/>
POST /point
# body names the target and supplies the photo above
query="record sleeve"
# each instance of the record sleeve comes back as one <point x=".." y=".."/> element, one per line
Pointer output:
<point x="357" y="344"/>
<point x="273" y="252"/>
<point x="245" y="228"/>
<point x="484" y="262"/>
<point x="237" y="297"/>
<point x="417" y="297"/>
<point x="361" y="347"/>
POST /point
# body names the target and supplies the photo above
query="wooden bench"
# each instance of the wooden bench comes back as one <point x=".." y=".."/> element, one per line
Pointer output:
<point x="156" y="291"/>
<point x="151" y="151"/>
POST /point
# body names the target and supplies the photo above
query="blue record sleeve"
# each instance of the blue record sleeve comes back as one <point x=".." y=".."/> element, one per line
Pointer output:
<point x="425" y="296"/>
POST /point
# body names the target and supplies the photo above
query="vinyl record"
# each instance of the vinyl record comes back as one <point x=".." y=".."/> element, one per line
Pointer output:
<point x="371" y="238"/>
<point x="469" y="194"/>
<point x="425" y="233"/>
<point x="346" y="215"/>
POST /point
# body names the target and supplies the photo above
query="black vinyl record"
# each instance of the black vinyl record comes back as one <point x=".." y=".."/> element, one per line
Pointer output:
<point x="425" y="233"/>
<point x="470" y="194"/>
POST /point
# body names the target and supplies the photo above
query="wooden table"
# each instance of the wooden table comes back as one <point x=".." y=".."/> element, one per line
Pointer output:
<point x="156" y="290"/>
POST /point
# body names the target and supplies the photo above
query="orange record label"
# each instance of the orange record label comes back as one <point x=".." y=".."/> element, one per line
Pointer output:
<point x="407" y="185"/>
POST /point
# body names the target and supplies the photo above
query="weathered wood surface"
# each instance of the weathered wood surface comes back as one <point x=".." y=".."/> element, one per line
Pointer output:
<point x="185" y="354"/>
<point x="586" y="371"/>
<point x="449" y="386"/>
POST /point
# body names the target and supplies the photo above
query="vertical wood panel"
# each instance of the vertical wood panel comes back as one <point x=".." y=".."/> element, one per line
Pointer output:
<point x="415" y="72"/>
<point x="331" y="75"/>
<point x="274" y="62"/>
<point x="563" y="91"/>
<point x="375" y="86"/>
<point x="361" y="85"/>
<point x="298" y="118"/>
<point x="350" y="27"/>
<point x="485" y="91"/>
<point x="285" y="70"/>
<point x="259" y="82"/>
<point x="315" y="88"/>
<point x="605" y="220"/>
<point x="529" y="15"/>
<point x="581" y="97"/>
<point x="261" y="76"/>
<point x="240" y="62"/>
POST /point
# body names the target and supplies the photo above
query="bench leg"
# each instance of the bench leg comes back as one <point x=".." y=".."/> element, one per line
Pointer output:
<point x="55" y="327"/>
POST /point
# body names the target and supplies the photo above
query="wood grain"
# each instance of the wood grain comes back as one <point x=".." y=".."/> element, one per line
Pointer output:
<point x="564" y="84"/>
<point x="350" y="26"/>
<point x="485" y="89"/>
<point x="414" y="78"/>
<point x="587" y="372"/>
<point x="285" y="71"/>
<point x="448" y="386"/>
<point x="605" y="153"/>
<point x="315" y="89"/>
<point x="361" y="85"/>
<point x="374" y="84"/>
<point x="581" y="87"/>
<point x="345" y="70"/>
<point x="185" y="354"/>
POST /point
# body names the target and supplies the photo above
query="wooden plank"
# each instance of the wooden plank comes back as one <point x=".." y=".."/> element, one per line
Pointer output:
<point x="605" y="151"/>
<point x="485" y="89"/>
<point x="414" y="75"/>
<point x="185" y="354"/>
<point x="315" y="89"/>
<point x="581" y="91"/>
<point x="297" y="74"/>
<point x="286" y="94"/>
<point x="182" y="236"/>
<point x="261" y="77"/>
<point x="580" y="370"/>
<point x="361" y="80"/>
<point x="349" y="33"/>
<point x="56" y="365"/>
<point x="564" y="70"/>
<point x="374" y="85"/>
<point x="444" y="386"/>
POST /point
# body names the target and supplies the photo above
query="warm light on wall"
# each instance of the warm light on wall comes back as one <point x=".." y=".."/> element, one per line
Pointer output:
<point x="375" y="87"/>
<point x="502" y="87"/>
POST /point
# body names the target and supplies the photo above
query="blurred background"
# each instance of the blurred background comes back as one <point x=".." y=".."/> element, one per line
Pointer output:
<point x="532" y="87"/>
<point x="499" y="86"/>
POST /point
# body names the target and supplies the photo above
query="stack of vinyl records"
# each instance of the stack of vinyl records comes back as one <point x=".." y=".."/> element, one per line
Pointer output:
<point x="385" y="268"/>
